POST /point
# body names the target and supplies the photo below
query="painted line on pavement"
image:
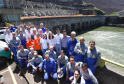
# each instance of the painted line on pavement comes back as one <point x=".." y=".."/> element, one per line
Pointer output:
<point x="4" y="71"/>
<point x="12" y="75"/>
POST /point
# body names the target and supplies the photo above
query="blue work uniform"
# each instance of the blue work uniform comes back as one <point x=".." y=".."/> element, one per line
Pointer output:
<point x="23" y="39"/>
<point x="21" y="55"/>
<point x="88" y="76"/>
<point x="15" y="27"/>
<point x="36" y="62"/>
<point x="51" y="54"/>
<point x="43" y="29"/>
<point x="71" y="46"/>
<point x="62" y="63"/>
<point x="15" y="42"/>
<point x="49" y="66"/>
<point x="71" y="67"/>
<point x="30" y="56"/>
<point x="93" y="59"/>
<point x="80" y="51"/>
<point x="12" y="30"/>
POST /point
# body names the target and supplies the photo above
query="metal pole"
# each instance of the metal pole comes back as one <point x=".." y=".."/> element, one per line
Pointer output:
<point x="14" y="10"/>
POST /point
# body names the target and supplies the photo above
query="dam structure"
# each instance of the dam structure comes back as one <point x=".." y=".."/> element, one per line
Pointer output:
<point x="69" y="23"/>
<point x="70" y="17"/>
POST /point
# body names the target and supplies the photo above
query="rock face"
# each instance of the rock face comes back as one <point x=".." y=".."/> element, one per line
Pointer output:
<point x="56" y="7"/>
<point x="109" y="6"/>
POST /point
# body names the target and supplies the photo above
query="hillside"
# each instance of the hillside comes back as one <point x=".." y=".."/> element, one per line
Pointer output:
<point x="109" y="6"/>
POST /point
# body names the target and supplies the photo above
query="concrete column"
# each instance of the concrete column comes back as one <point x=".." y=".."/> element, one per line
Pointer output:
<point x="84" y="26"/>
<point x="76" y="27"/>
<point x="69" y="29"/>
<point x="80" y="28"/>
<point x="61" y="28"/>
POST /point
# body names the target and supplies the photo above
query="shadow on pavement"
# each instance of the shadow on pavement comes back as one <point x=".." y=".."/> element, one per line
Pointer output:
<point x="106" y="76"/>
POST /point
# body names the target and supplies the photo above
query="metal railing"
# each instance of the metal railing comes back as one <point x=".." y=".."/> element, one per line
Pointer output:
<point x="103" y="60"/>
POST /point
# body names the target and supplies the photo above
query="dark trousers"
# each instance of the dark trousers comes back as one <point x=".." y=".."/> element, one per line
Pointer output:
<point x="39" y="52"/>
<point x="65" y="50"/>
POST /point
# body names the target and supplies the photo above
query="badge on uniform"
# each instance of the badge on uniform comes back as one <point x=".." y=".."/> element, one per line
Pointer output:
<point x="50" y="65"/>
<point x="93" y="56"/>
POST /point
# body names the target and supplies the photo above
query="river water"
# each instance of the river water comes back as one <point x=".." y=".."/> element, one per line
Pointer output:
<point x="110" y="44"/>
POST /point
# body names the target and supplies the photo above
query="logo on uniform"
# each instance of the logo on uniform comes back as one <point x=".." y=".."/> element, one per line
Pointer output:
<point x="50" y="65"/>
<point x="93" y="56"/>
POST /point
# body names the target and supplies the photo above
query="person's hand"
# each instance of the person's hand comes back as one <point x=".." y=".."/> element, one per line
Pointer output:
<point x="81" y="49"/>
<point x="70" y="53"/>
<point x="26" y="60"/>
<point x="42" y="49"/>
<point x="60" y="70"/>
<point x="51" y="73"/>
<point x="77" y="49"/>
<point x="72" y="83"/>
<point x="67" y="78"/>
<point x="29" y="61"/>
<point x="76" y="65"/>
<point x="18" y="47"/>
<point x="35" y="69"/>
<point x="70" y="79"/>
<point x="30" y="64"/>
<point x="40" y="69"/>
<point x="85" y="77"/>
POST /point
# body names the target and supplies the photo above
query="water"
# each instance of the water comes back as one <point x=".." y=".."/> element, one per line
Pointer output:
<point x="110" y="44"/>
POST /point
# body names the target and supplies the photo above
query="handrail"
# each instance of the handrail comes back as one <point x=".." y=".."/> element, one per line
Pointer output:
<point x="103" y="60"/>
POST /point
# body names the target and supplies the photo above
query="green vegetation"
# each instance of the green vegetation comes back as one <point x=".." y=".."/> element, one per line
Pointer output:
<point x="92" y="8"/>
<point x="95" y="8"/>
<point x="83" y="3"/>
<point x="113" y="14"/>
<point x="107" y="28"/>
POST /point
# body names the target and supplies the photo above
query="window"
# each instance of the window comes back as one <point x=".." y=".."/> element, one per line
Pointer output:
<point x="8" y="4"/>
<point x="1" y="4"/>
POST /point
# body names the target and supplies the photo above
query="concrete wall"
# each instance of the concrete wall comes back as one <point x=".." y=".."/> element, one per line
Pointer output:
<point x="69" y="23"/>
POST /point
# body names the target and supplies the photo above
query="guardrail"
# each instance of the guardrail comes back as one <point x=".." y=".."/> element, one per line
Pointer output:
<point x="103" y="60"/>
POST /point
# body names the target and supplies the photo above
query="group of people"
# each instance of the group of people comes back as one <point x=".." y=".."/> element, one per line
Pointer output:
<point x="56" y="55"/>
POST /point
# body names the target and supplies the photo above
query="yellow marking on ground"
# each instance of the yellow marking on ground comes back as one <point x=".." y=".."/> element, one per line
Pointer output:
<point x="12" y="75"/>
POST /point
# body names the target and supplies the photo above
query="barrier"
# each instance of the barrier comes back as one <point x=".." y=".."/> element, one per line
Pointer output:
<point x="103" y="60"/>
<point x="8" y="24"/>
